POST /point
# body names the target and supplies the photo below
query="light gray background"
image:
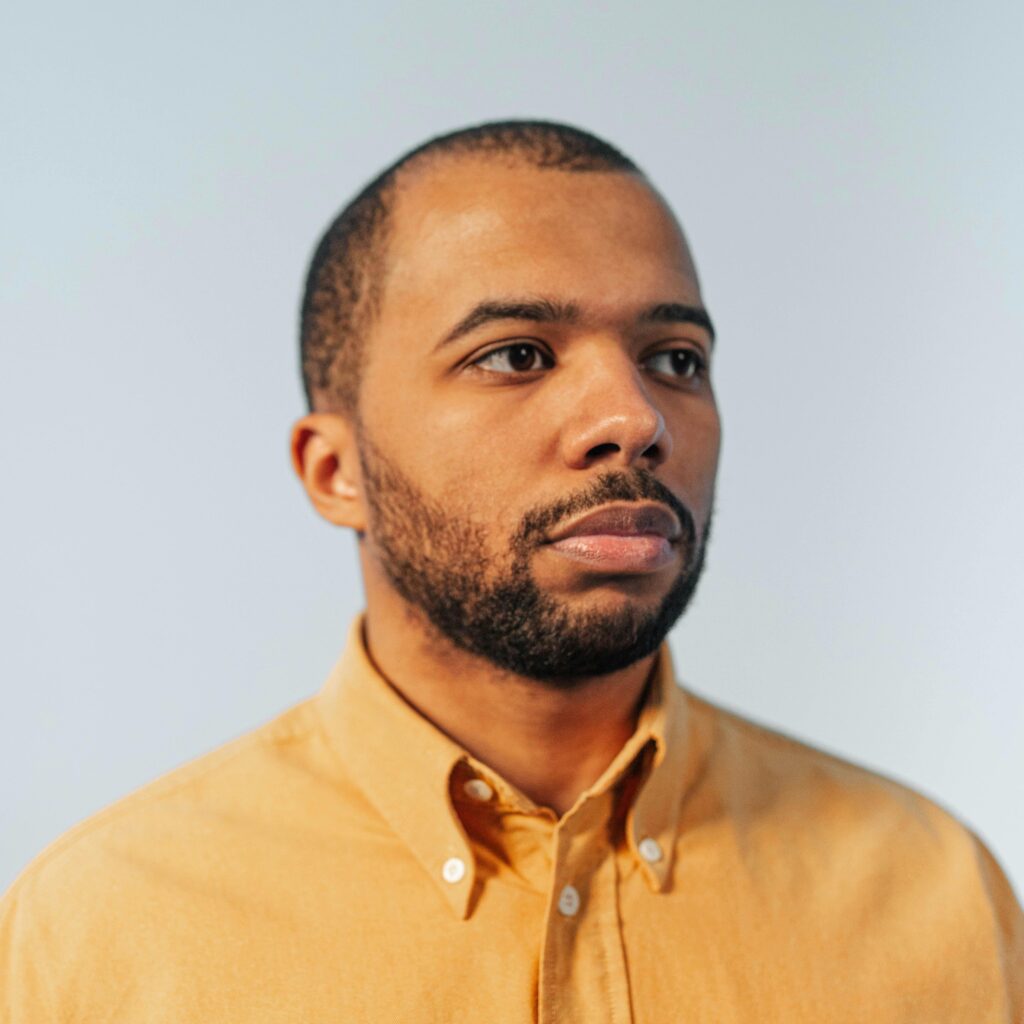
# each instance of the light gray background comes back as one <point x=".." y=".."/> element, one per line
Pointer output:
<point x="850" y="176"/>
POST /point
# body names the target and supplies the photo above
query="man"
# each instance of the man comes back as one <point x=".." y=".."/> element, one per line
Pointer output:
<point x="501" y="806"/>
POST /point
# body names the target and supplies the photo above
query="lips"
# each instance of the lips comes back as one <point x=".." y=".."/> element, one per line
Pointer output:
<point x="623" y="520"/>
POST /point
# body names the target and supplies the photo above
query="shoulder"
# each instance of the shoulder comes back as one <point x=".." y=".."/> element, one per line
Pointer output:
<point x="108" y="878"/>
<point x="763" y="771"/>
<point x="807" y="810"/>
<point x="819" y="829"/>
<point x="203" y="783"/>
<point x="826" y="821"/>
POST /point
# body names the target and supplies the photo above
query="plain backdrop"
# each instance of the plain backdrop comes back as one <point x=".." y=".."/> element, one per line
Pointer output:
<point x="850" y="177"/>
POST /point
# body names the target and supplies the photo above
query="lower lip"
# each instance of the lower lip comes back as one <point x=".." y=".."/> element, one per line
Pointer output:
<point x="605" y="552"/>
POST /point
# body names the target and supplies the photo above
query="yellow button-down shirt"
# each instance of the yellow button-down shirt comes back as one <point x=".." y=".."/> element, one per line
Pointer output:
<point x="348" y="862"/>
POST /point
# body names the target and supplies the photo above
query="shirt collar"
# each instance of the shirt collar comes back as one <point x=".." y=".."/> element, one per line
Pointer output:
<point x="405" y="766"/>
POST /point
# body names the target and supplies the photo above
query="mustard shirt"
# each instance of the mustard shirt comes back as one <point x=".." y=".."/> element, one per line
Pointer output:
<point x="348" y="862"/>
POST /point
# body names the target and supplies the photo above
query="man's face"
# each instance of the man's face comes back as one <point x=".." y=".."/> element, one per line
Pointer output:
<point x="580" y="384"/>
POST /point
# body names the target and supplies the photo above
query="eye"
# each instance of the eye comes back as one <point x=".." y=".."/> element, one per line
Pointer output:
<point x="520" y="357"/>
<point x="681" y="363"/>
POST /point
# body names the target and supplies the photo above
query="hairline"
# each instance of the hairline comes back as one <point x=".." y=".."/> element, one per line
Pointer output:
<point x="372" y="213"/>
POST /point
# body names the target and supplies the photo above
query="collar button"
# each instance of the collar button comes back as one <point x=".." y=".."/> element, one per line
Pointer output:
<point x="477" y="789"/>
<point x="453" y="870"/>
<point x="650" y="850"/>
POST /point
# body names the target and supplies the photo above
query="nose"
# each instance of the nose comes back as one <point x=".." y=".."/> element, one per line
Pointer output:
<point x="614" y="419"/>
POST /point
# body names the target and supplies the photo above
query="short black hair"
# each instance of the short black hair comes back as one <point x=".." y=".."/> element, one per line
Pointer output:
<point x="342" y="285"/>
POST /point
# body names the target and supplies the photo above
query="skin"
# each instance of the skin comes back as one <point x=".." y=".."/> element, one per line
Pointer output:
<point x="490" y="442"/>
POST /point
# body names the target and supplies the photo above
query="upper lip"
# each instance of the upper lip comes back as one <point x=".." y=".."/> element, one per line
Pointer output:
<point x="623" y="520"/>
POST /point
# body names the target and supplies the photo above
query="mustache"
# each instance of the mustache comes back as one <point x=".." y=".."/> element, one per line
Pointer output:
<point x="638" y="485"/>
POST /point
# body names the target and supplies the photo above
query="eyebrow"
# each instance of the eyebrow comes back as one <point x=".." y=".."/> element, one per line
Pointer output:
<point x="678" y="313"/>
<point x="547" y="311"/>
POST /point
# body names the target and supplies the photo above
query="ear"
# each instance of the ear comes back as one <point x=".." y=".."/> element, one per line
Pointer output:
<point x="326" y="460"/>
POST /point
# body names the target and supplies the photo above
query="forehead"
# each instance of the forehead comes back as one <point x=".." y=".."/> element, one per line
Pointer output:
<point x="468" y="228"/>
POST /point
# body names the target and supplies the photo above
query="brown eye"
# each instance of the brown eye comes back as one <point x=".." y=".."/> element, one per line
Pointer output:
<point x="681" y="363"/>
<point x="520" y="357"/>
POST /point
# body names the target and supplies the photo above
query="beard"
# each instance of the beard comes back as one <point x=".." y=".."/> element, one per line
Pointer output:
<point x="439" y="562"/>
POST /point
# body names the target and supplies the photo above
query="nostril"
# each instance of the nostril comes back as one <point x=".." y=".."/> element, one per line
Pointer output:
<point x="603" y="449"/>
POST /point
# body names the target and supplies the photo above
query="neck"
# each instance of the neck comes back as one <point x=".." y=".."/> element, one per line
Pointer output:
<point x="551" y="744"/>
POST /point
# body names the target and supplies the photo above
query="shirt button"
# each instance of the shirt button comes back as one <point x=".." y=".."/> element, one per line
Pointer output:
<point x="453" y="870"/>
<point x="650" y="850"/>
<point x="569" y="901"/>
<point x="477" y="789"/>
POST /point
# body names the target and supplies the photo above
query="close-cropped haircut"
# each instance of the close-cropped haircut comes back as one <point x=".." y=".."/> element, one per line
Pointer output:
<point x="344" y="280"/>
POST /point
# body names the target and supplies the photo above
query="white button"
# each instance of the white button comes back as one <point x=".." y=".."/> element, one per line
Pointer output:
<point x="477" y="789"/>
<point x="454" y="869"/>
<point x="569" y="901"/>
<point x="650" y="850"/>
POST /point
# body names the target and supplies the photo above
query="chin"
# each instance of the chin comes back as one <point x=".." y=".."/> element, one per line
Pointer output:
<point x="641" y="592"/>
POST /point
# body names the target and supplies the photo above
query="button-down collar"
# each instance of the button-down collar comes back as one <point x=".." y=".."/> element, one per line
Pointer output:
<point x="415" y="775"/>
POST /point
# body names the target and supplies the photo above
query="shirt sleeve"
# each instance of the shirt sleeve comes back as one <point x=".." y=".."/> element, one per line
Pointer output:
<point x="1008" y="921"/>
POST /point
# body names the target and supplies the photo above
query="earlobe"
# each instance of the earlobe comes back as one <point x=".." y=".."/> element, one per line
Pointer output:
<point x="326" y="460"/>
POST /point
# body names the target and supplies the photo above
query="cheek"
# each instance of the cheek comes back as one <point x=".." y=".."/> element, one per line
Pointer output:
<point x="479" y="475"/>
<point x="708" y="434"/>
<point x="480" y="455"/>
<point x="695" y="454"/>
<point x="493" y="452"/>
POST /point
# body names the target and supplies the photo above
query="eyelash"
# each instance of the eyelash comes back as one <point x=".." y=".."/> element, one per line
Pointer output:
<point x="698" y="362"/>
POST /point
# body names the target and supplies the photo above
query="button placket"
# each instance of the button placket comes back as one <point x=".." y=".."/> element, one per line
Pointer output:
<point x="568" y="884"/>
<point x="571" y="854"/>
<point x="582" y="973"/>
